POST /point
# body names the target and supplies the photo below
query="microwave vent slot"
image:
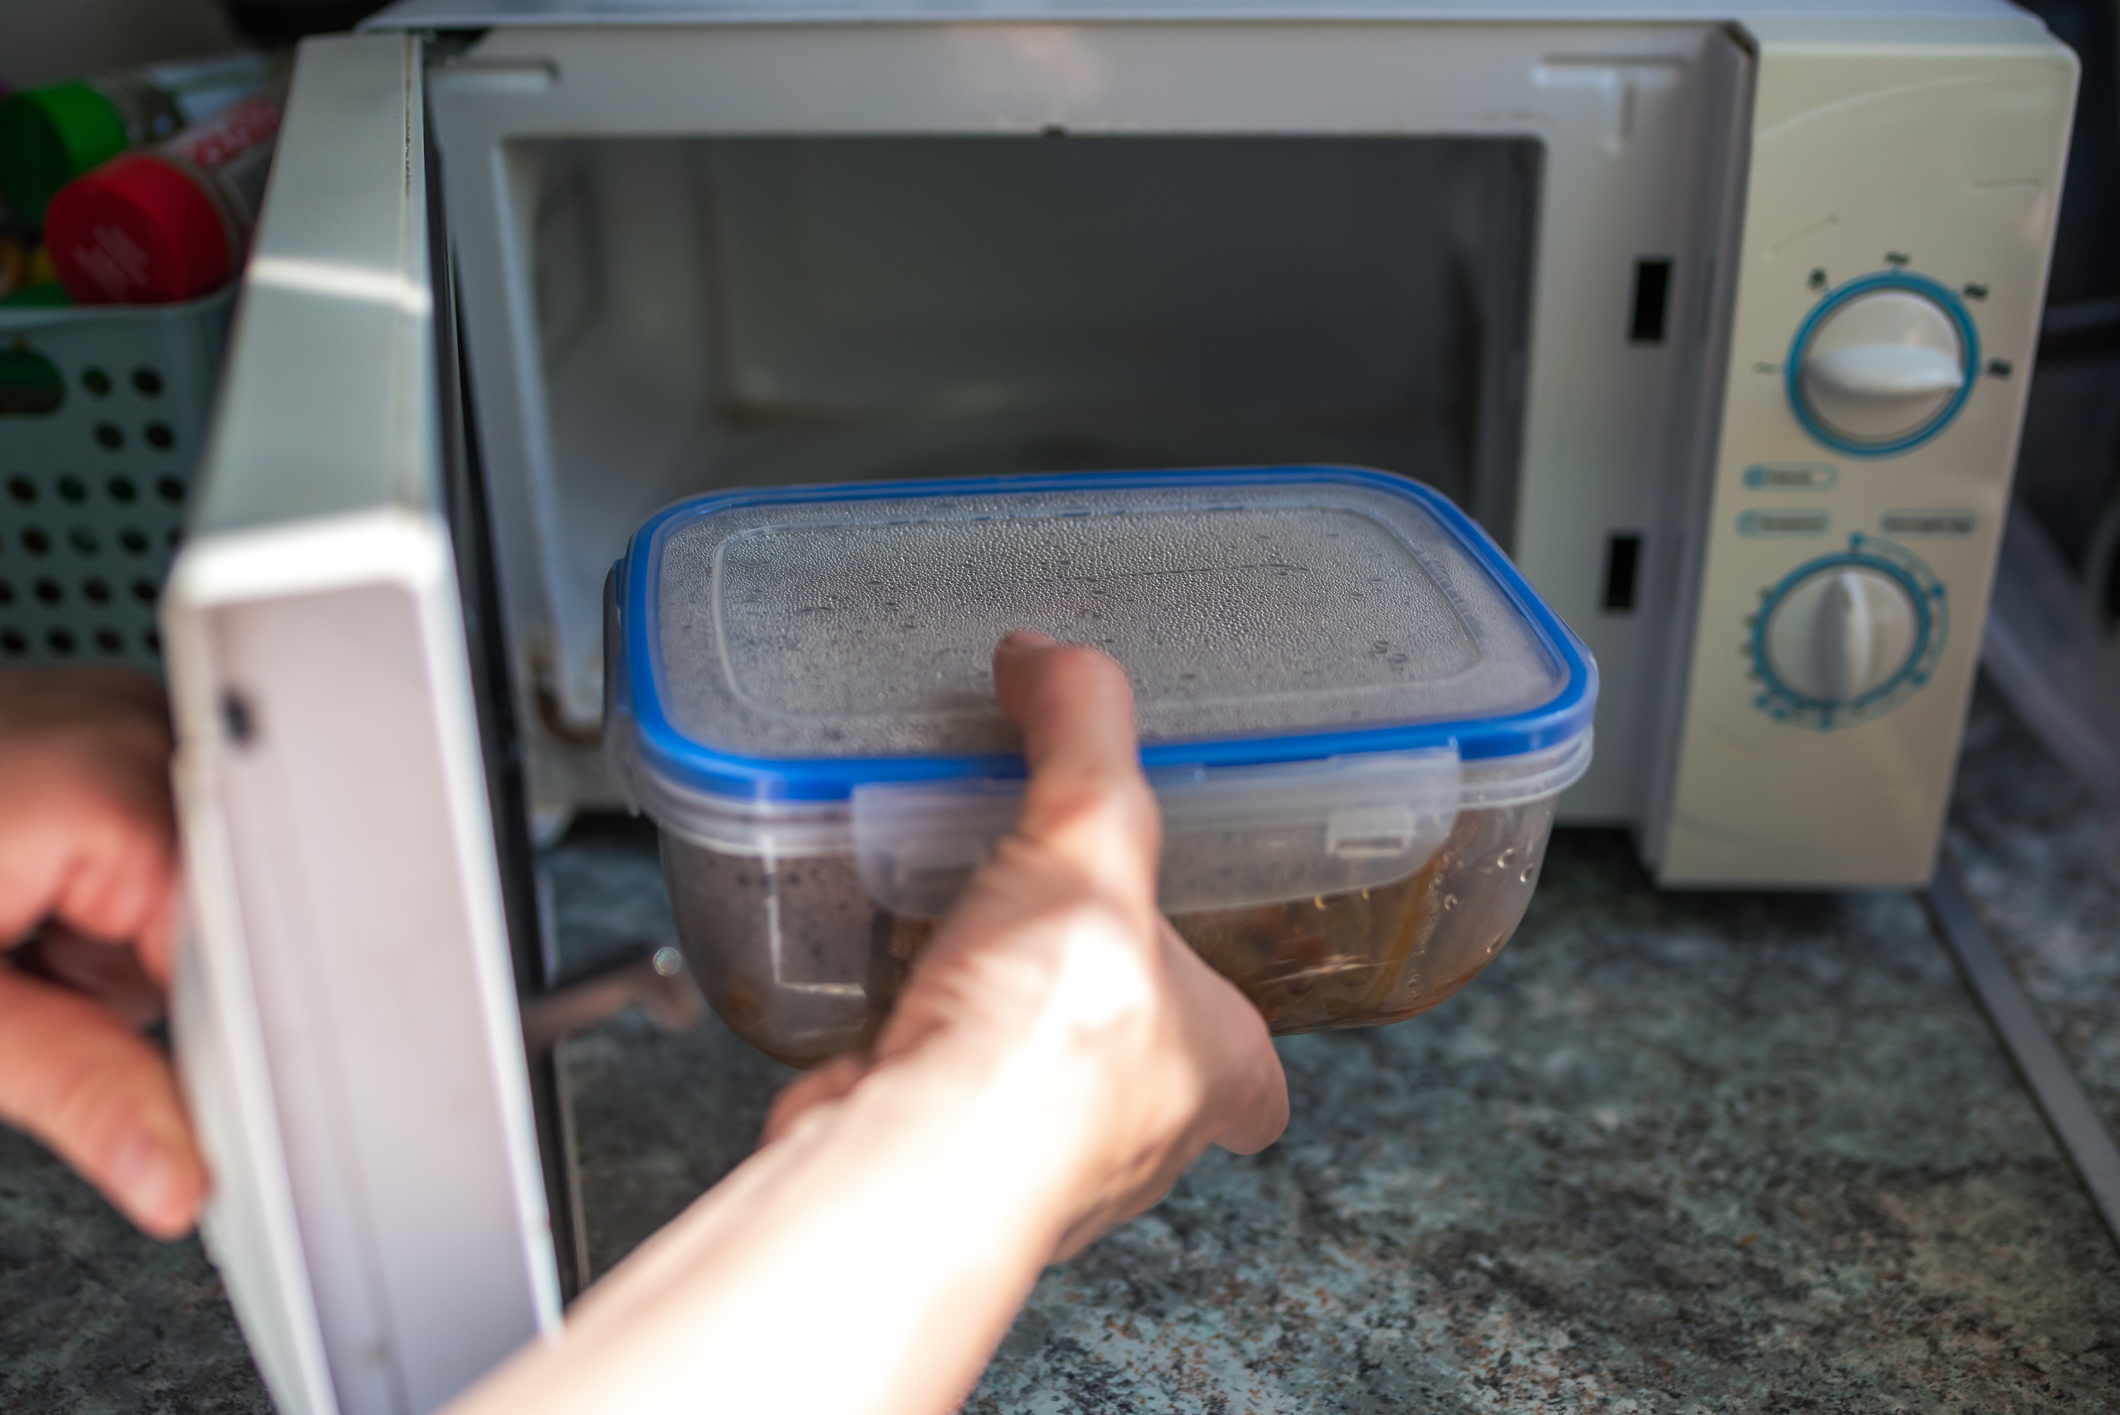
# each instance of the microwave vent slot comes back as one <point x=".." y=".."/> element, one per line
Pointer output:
<point x="1652" y="298"/>
<point x="1623" y="556"/>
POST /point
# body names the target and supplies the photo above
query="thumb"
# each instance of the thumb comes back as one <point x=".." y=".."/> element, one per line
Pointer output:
<point x="103" y="1098"/>
<point x="1086" y="802"/>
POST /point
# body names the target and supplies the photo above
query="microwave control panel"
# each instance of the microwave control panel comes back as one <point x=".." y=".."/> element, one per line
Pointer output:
<point x="1899" y="209"/>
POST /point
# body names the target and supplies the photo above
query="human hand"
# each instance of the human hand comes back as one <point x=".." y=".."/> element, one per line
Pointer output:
<point x="87" y="891"/>
<point x="1057" y="976"/>
<point x="1056" y="1059"/>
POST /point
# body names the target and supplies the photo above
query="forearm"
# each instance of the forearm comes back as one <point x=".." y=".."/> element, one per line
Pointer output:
<point x="1055" y="1061"/>
<point x="866" y="1264"/>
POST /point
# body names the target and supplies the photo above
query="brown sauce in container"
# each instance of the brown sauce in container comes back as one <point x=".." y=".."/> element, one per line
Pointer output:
<point x="1355" y="958"/>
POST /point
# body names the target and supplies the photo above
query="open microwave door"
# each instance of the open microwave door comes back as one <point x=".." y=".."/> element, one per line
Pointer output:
<point x="346" y="1018"/>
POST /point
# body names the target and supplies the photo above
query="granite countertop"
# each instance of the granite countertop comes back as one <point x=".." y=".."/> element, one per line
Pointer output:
<point x="1672" y="1152"/>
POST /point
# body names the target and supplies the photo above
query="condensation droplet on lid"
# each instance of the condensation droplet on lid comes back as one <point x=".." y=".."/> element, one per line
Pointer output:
<point x="1450" y="901"/>
<point x="1507" y="858"/>
<point x="1530" y="873"/>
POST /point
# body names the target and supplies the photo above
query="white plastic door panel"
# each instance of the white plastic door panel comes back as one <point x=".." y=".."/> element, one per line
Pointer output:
<point x="346" y="1018"/>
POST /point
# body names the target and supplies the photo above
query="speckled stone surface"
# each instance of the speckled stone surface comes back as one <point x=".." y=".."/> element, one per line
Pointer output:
<point x="2041" y="860"/>
<point x="95" y="1318"/>
<point x="1670" y="1153"/>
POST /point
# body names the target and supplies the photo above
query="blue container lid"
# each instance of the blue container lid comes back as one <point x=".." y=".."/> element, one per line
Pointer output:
<point x="793" y="643"/>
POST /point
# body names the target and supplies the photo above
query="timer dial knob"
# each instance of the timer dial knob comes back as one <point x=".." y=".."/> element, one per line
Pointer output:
<point x="1847" y="636"/>
<point x="1882" y="364"/>
<point x="1841" y="633"/>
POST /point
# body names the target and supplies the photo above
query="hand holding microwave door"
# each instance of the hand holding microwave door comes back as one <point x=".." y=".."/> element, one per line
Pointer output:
<point x="1355" y="713"/>
<point x="1057" y="1059"/>
<point x="87" y="885"/>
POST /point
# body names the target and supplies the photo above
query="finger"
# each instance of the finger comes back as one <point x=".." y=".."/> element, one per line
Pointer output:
<point x="99" y="854"/>
<point x="121" y="889"/>
<point x="38" y="839"/>
<point x="1086" y="799"/>
<point x="1261" y="1110"/>
<point x="1075" y="708"/>
<point x="1249" y="1109"/>
<point x="102" y="1098"/>
<point x="819" y="1086"/>
<point x="108" y="974"/>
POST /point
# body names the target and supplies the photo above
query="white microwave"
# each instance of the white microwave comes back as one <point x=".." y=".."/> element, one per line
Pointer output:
<point x="1719" y="319"/>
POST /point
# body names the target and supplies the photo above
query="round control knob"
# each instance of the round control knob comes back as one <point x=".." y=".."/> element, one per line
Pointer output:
<point x="1882" y="364"/>
<point x="1840" y="633"/>
<point x="1847" y="636"/>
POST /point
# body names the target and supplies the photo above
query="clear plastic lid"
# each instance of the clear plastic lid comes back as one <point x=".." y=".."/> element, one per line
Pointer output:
<point x="796" y="645"/>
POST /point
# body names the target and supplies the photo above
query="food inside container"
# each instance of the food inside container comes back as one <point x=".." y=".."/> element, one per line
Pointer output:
<point x="1355" y="714"/>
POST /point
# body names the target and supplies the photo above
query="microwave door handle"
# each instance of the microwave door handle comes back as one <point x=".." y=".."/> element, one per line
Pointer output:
<point x="346" y="1026"/>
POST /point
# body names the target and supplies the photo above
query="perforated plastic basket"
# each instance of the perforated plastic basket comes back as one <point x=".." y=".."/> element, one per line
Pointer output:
<point x="101" y="415"/>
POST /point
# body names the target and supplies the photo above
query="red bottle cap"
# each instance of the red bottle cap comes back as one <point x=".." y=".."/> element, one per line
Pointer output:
<point x="136" y="231"/>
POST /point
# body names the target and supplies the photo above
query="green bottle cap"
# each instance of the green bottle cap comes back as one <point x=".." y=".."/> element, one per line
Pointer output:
<point x="48" y="137"/>
<point x="45" y="294"/>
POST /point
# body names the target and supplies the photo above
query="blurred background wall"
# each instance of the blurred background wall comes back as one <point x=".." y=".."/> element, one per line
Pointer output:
<point x="44" y="41"/>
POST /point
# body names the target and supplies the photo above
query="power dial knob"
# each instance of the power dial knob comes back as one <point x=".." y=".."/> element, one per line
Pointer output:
<point x="1847" y="637"/>
<point x="1882" y="364"/>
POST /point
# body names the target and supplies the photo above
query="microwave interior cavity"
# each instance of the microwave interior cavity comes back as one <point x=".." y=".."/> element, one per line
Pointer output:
<point x="846" y="308"/>
<point x="775" y="310"/>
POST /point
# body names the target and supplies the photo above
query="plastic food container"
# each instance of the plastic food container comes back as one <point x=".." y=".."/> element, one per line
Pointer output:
<point x="1354" y="711"/>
